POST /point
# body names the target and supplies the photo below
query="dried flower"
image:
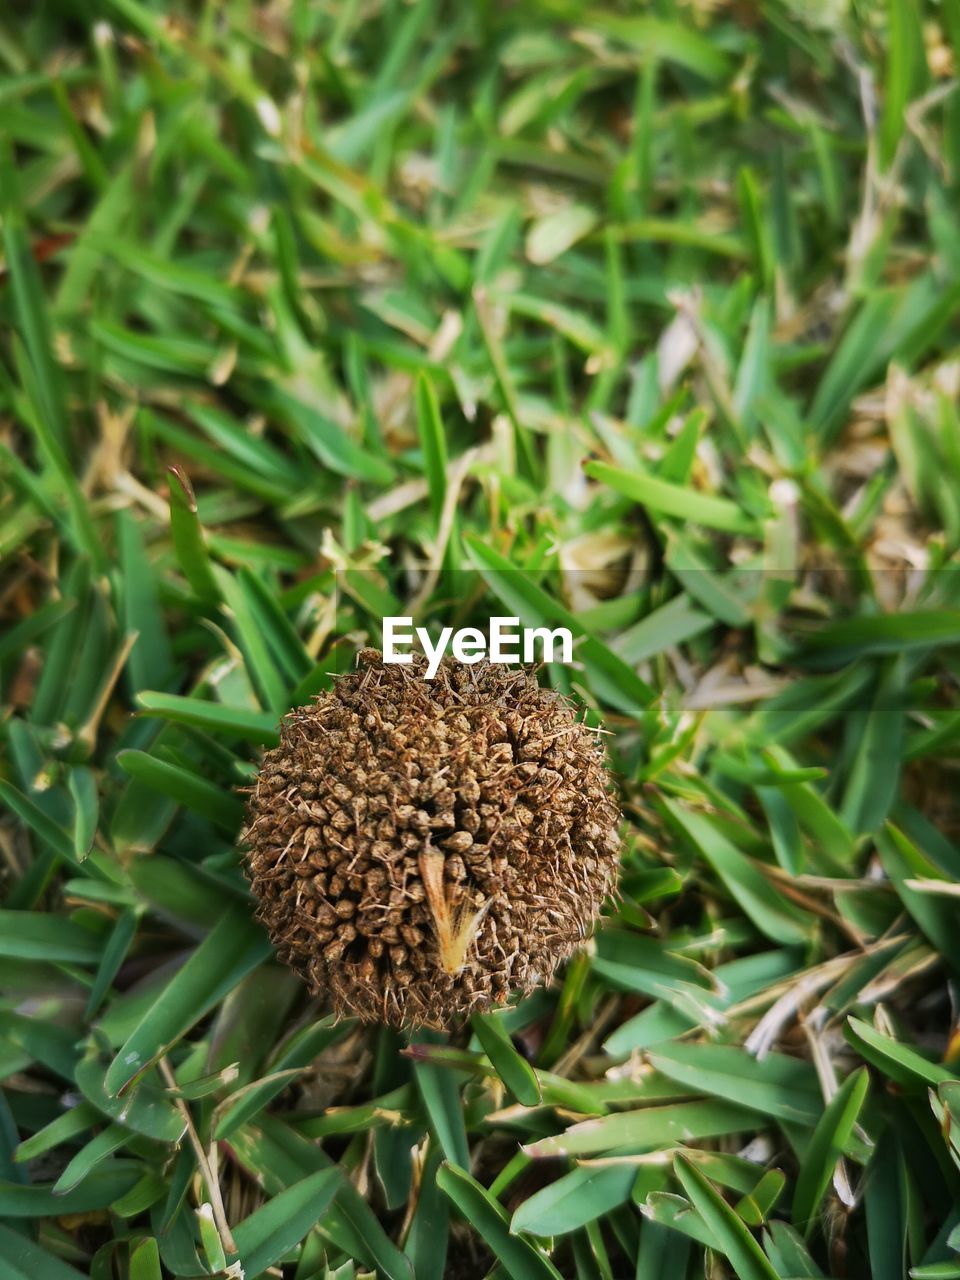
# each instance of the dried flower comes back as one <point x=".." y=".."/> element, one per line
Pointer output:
<point x="420" y="849"/>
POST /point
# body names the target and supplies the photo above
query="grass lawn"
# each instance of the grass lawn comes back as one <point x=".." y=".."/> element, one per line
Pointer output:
<point x="638" y="318"/>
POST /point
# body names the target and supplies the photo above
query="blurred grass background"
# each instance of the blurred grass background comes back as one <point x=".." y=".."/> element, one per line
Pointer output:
<point x="317" y="312"/>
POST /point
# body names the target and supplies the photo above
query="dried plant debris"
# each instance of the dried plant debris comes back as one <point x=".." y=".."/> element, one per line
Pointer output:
<point x="422" y="848"/>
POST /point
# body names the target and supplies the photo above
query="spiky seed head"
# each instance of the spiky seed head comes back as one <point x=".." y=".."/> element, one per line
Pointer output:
<point x="422" y="848"/>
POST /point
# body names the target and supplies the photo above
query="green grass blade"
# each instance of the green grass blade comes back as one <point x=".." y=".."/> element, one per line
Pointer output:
<point x="826" y="1147"/>
<point x="515" y="1072"/>
<point x="270" y="1232"/>
<point x="736" y="1243"/>
<point x="675" y="500"/>
<point x="520" y="1259"/>
<point x="232" y="949"/>
<point x="433" y="444"/>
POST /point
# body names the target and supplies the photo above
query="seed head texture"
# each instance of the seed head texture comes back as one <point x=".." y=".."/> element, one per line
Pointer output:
<point x="419" y="849"/>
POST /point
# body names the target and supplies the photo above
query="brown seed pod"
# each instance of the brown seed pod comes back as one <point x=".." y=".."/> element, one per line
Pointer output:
<point x="422" y="848"/>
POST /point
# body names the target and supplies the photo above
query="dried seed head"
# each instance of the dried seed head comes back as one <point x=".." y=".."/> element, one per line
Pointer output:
<point x="421" y="849"/>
